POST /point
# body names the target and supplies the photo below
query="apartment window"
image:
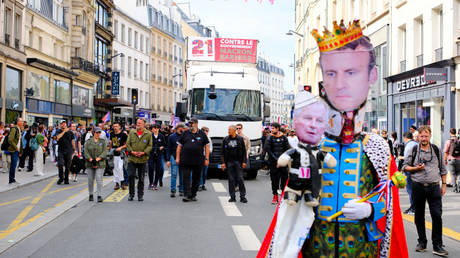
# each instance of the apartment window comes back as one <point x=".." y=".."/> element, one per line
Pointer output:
<point x="147" y="46"/>
<point x="122" y="65"/>
<point x="158" y="97"/>
<point x="123" y="33"/>
<point x="102" y="15"/>
<point x="13" y="83"/>
<point x="135" y="68"/>
<point x="17" y="29"/>
<point x="122" y="92"/>
<point x="165" y="46"/>
<point x="437" y="34"/>
<point x="164" y="71"/>
<point x="141" y="43"/>
<point x="175" y="52"/>
<point x="402" y="48"/>
<point x="6" y="25"/>
<point x="31" y="39"/>
<point x="129" y="66"/>
<point x="135" y="39"/>
<point x="141" y="97"/>
<point x="159" y="42"/>
<point x="418" y="41"/>
<point x="129" y="94"/>
<point x="146" y="72"/>
<point x="146" y="103"/>
<point x="130" y="36"/>
<point x="159" y="68"/>
<point x="115" y="29"/>
<point x="77" y="51"/>
<point x="141" y="70"/>
<point x="40" y="43"/>
<point x="115" y="60"/>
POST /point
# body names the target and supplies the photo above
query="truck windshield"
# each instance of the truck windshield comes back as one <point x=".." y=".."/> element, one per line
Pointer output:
<point x="230" y="105"/>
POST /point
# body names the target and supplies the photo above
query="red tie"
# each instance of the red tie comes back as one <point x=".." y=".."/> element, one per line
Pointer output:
<point x="348" y="128"/>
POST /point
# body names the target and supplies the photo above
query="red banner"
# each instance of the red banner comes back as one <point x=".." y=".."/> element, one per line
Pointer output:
<point x="236" y="50"/>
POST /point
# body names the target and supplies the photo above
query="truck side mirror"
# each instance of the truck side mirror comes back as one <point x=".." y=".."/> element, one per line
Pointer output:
<point x="181" y="110"/>
<point x="266" y="99"/>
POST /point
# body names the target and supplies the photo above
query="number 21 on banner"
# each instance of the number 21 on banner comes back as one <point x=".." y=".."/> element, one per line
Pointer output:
<point x="198" y="47"/>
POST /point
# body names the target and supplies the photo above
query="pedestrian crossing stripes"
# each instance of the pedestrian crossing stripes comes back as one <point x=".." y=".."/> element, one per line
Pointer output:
<point x="219" y="188"/>
<point x="246" y="237"/>
<point x="230" y="208"/>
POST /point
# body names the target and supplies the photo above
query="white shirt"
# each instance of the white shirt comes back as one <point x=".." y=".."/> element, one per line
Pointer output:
<point x="293" y="141"/>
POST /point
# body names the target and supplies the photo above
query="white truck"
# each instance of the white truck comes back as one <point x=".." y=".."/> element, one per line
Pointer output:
<point x="220" y="94"/>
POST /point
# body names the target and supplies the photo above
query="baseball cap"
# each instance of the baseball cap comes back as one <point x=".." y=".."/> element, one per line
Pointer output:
<point x="97" y="130"/>
<point x="62" y="121"/>
<point x="194" y="120"/>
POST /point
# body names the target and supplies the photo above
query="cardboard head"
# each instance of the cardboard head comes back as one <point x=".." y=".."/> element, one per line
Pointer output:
<point x="310" y="118"/>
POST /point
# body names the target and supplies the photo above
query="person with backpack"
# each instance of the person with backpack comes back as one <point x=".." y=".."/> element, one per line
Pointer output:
<point x="452" y="157"/>
<point x="13" y="147"/>
<point x="27" y="135"/>
<point x="427" y="170"/>
<point x="409" y="145"/>
<point x="6" y="159"/>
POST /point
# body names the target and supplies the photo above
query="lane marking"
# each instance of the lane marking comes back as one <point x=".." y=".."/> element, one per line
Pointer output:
<point x="32" y="204"/>
<point x="117" y="196"/>
<point x="49" y="193"/>
<point x="246" y="237"/>
<point x="230" y="208"/>
<point x="8" y="231"/>
<point x="445" y="231"/>
<point x="219" y="188"/>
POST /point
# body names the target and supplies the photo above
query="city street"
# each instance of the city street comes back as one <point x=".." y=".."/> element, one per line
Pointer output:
<point x="47" y="220"/>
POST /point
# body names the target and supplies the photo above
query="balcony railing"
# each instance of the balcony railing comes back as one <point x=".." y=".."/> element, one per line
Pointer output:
<point x="16" y="43"/>
<point x="7" y="39"/>
<point x="82" y="64"/>
<point x="402" y="66"/>
<point x="419" y="60"/>
<point x="438" y="54"/>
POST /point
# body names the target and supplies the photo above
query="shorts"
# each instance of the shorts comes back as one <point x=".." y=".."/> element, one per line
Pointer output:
<point x="453" y="166"/>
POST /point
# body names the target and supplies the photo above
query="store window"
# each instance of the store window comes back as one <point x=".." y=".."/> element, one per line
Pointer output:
<point x="13" y="83"/>
<point x="431" y="112"/>
<point x="40" y="84"/>
<point x="102" y="15"/>
<point x="62" y="92"/>
<point x="80" y="96"/>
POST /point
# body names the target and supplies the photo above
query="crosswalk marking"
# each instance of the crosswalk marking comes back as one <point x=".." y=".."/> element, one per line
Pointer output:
<point x="219" y="188"/>
<point x="246" y="237"/>
<point x="230" y="208"/>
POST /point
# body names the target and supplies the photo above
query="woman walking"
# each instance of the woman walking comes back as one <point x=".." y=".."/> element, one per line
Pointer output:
<point x="95" y="155"/>
<point x="39" y="157"/>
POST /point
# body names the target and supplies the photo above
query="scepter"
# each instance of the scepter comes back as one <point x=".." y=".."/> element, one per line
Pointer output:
<point x="398" y="180"/>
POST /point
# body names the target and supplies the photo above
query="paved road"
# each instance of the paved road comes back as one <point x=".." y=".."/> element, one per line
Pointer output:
<point x="158" y="227"/>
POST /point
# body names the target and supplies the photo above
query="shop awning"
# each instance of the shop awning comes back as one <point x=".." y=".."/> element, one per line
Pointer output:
<point x="47" y="66"/>
<point x="112" y="102"/>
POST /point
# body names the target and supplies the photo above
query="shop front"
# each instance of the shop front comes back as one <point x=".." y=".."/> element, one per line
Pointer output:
<point x="13" y="94"/>
<point x="423" y="96"/>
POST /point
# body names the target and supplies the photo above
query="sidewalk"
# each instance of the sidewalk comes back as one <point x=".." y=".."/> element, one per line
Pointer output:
<point x="26" y="178"/>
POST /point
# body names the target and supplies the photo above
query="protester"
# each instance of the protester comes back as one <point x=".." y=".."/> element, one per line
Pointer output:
<point x="155" y="158"/>
<point x="171" y="161"/>
<point x="28" y="153"/>
<point x="95" y="155"/>
<point x="66" y="148"/>
<point x="189" y="156"/>
<point x="413" y="129"/>
<point x="234" y="159"/>
<point x="409" y="145"/>
<point x="76" y="157"/>
<point x="292" y="139"/>
<point x="390" y="142"/>
<point x="39" y="157"/>
<point x="427" y="169"/>
<point x="396" y="144"/>
<point x="452" y="158"/>
<point x="204" y="170"/>
<point x="139" y="145"/>
<point x="117" y="146"/>
<point x="275" y="146"/>
<point x="6" y="157"/>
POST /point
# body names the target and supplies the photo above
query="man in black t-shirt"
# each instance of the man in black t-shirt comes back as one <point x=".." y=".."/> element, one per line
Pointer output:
<point x="117" y="145"/>
<point x="66" y="149"/>
<point x="189" y="156"/>
<point x="234" y="159"/>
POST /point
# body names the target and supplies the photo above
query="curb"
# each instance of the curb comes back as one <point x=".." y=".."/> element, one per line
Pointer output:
<point x="39" y="179"/>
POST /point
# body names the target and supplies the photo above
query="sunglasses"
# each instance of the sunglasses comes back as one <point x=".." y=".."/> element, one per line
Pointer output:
<point x="239" y="128"/>
<point x="206" y="130"/>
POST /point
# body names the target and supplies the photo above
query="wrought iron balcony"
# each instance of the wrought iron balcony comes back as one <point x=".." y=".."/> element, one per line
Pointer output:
<point x="82" y="64"/>
<point x="7" y="39"/>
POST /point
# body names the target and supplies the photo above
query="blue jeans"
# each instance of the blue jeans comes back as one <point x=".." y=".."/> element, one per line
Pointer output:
<point x="409" y="189"/>
<point x="174" y="171"/>
<point x="14" y="163"/>
<point x="204" y="174"/>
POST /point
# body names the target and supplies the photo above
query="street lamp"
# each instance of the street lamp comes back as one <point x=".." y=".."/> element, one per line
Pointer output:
<point x="291" y="32"/>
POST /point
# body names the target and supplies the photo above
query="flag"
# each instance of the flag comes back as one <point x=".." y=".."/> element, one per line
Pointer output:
<point x="106" y="118"/>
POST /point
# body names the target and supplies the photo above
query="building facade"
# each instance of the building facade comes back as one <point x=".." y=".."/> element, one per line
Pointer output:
<point x="131" y="51"/>
<point x="288" y="109"/>
<point x="12" y="59"/>
<point x="271" y="80"/>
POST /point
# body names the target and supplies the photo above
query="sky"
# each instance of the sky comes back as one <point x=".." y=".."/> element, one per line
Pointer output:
<point x="254" y="19"/>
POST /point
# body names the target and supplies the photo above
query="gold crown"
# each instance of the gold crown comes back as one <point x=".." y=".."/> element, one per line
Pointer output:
<point x="340" y="36"/>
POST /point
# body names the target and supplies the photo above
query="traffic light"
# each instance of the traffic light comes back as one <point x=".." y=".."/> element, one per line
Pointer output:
<point x="134" y="96"/>
<point x="307" y="88"/>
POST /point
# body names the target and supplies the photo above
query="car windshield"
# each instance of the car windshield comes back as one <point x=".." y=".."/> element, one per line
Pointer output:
<point x="229" y="104"/>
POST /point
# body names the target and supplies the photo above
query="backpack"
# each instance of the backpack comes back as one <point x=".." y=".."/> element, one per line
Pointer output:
<point x="454" y="150"/>
<point x="33" y="144"/>
<point x="436" y="151"/>
<point x="5" y="143"/>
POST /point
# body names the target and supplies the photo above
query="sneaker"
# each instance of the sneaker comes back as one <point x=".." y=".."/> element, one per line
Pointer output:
<point x="420" y="248"/>
<point x="275" y="199"/>
<point x="60" y="181"/>
<point x="199" y="189"/>
<point x="75" y="179"/>
<point x="151" y="187"/>
<point x="161" y="184"/>
<point x="123" y="187"/>
<point x="181" y="193"/>
<point x="173" y="194"/>
<point x="438" y="250"/>
<point x="117" y="186"/>
<point x="193" y="199"/>
<point x="66" y="182"/>
<point x="130" y="198"/>
<point x="409" y="211"/>
<point x="99" y="199"/>
<point x="140" y="198"/>
<point x="204" y="188"/>
<point x="185" y="199"/>
<point x="155" y="188"/>
<point x="19" y="169"/>
<point x="243" y="200"/>
<point x="91" y="198"/>
<point x="232" y="199"/>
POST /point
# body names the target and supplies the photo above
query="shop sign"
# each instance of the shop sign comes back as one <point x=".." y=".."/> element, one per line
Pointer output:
<point x="435" y="74"/>
<point x="115" y="83"/>
<point x="411" y="83"/>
